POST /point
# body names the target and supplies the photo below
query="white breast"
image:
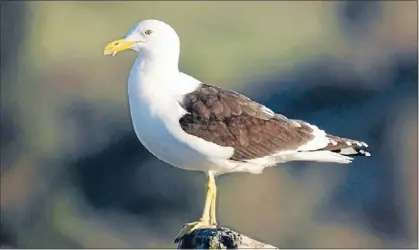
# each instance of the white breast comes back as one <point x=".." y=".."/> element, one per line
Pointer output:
<point x="155" y="113"/>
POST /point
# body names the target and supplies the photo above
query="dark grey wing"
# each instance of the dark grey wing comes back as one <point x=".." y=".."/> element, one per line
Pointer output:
<point x="229" y="119"/>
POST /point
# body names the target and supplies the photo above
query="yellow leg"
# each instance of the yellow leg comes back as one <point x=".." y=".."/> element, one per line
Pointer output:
<point x="204" y="221"/>
<point x="213" y="220"/>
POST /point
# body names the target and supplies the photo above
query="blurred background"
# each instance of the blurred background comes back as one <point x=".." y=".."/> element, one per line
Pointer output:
<point x="74" y="175"/>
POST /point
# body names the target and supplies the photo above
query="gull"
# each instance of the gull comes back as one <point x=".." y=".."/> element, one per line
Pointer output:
<point x="200" y="127"/>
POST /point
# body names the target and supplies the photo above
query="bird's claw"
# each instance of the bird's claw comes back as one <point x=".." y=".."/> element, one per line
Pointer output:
<point x="192" y="226"/>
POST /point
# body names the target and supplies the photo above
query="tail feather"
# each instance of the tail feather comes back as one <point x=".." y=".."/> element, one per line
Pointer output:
<point x="339" y="150"/>
<point x="318" y="156"/>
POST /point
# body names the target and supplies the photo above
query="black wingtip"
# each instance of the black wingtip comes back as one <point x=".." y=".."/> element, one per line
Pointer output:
<point x="359" y="151"/>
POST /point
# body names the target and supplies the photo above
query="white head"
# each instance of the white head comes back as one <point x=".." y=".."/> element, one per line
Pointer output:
<point x="150" y="38"/>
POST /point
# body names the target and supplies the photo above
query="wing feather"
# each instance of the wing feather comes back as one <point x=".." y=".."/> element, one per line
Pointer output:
<point x="254" y="131"/>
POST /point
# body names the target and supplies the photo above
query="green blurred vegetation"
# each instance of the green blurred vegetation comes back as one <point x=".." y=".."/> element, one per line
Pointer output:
<point x="229" y="44"/>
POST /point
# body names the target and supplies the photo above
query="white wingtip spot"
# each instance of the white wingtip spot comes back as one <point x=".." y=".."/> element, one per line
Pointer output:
<point x="348" y="143"/>
<point x="359" y="144"/>
<point x="364" y="153"/>
<point x="364" y="144"/>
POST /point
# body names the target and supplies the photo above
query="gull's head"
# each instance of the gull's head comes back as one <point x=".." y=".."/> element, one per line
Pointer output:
<point x="148" y="37"/>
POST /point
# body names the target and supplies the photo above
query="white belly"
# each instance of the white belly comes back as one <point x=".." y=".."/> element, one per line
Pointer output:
<point x="164" y="138"/>
<point x="155" y="114"/>
<point x="154" y="134"/>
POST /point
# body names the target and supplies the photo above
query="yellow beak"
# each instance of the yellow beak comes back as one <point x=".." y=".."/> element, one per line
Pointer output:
<point x="117" y="46"/>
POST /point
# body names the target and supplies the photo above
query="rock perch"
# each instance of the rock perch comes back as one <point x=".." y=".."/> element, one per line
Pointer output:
<point x="219" y="238"/>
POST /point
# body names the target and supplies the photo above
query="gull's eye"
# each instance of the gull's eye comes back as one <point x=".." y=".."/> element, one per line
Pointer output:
<point x="148" y="32"/>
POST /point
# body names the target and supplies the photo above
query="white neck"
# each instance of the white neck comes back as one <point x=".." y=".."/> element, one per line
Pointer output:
<point x="155" y="78"/>
<point x="163" y="62"/>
